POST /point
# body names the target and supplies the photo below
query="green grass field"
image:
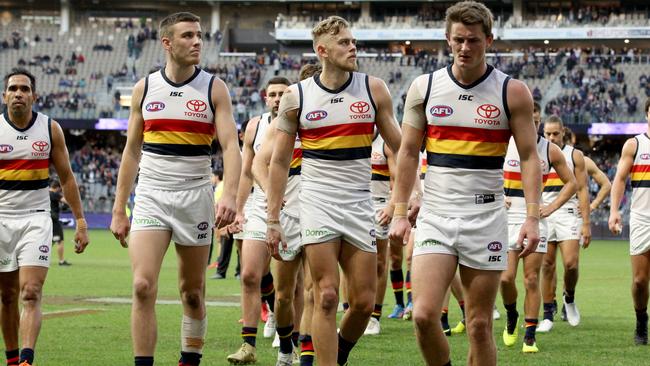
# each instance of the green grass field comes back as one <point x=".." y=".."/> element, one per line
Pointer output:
<point x="604" y="336"/>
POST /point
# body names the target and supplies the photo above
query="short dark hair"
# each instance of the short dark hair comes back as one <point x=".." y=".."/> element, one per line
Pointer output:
<point x="469" y="13"/>
<point x="647" y="105"/>
<point x="278" y="80"/>
<point x="536" y="107"/>
<point x="31" y="77"/>
<point x="555" y="119"/>
<point x="170" y="20"/>
<point x="308" y="70"/>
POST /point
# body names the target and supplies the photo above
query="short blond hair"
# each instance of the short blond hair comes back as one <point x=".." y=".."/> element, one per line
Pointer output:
<point x="332" y="26"/>
<point x="470" y="13"/>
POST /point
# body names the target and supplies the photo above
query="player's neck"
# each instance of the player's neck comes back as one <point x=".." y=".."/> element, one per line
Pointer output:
<point x="468" y="76"/>
<point x="333" y="77"/>
<point x="20" y="120"/>
<point x="179" y="73"/>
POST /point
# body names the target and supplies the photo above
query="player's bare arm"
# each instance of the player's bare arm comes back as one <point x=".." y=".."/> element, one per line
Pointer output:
<point x="285" y="136"/>
<point x="618" y="187"/>
<point x="385" y="117"/>
<point x="246" y="176"/>
<point x="262" y="159"/>
<point x="566" y="176"/>
<point x="408" y="159"/>
<point x="386" y="215"/>
<point x="120" y="225"/>
<point x="583" y="196"/>
<point x="227" y="136"/>
<point x="520" y="102"/>
<point x="601" y="179"/>
<point x="61" y="163"/>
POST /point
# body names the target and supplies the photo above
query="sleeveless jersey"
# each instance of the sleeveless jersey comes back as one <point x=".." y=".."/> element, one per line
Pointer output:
<point x="336" y="129"/>
<point x="265" y="120"/>
<point x="292" y="192"/>
<point x="466" y="140"/>
<point x="512" y="184"/>
<point x="24" y="165"/>
<point x="423" y="165"/>
<point x="178" y="130"/>
<point x="640" y="176"/>
<point x="380" y="180"/>
<point x="554" y="184"/>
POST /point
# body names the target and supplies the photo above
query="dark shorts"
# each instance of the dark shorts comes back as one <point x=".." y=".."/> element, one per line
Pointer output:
<point x="57" y="231"/>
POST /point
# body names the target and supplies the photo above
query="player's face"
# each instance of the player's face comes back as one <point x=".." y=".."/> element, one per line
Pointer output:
<point x="342" y="50"/>
<point x="19" y="96"/>
<point x="468" y="43"/>
<point x="554" y="133"/>
<point x="273" y="95"/>
<point x="185" y="43"/>
<point x="537" y="119"/>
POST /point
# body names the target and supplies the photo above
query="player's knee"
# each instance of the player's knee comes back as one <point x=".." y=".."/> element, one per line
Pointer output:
<point x="507" y="279"/>
<point x="31" y="292"/>
<point x="640" y="284"/>
<point x="479" y="328"/>
<point x="531" y="281"/>
<point x="548" y="265"/>
<point x="193" y="298"/>
<point x="572" y="266"/>
<point x="424" y="317"/>
<point x="250" y="279"/>
<point x="284" y="297"/>
<point x="329" y="299"/>
<point x="362" y="305"/>
<point x="143" y="289"/>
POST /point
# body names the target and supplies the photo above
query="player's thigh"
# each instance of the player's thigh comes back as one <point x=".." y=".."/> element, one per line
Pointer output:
<point x="254" y="258"/>
<point x="147" y="249"/>
<point x="533" y="264"/>
<point x="323" y="264"/>
<point x="359" y="268"/>
<point x="431" y="275"/>
<point x="480" y="289"/>
<point x="192" y="261"/>
<point x="641" y="266"/>
<point x="570" y="250"/>
<point x="32" y="277"/>
<point x="513" y="263"/>
<point x="286" y="275"/>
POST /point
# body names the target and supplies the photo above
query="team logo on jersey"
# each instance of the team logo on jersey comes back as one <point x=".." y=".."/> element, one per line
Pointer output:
<point x="155" y="106"/>
<point x="6" y="148"/>
<point x="196" y="105"/>
<point x="44" y="248"/>
<point x="514" y="163"/>
<point x="488" y="111"/>
<point x="441" y="111"/>
<point x="495" y="246"/>
<point x="40" y="146"/>
<point x="359" y="107"/>
<point x="644" y="156"/>
<point x="203" y="226"/>
<point x="316" y="115"/>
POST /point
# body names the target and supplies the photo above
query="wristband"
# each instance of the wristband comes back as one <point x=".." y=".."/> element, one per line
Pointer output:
<point x="401" y="209"/>
<point x="532" y="210"/>
<point x="272" y="222"/>
<point x="82" y="224"/>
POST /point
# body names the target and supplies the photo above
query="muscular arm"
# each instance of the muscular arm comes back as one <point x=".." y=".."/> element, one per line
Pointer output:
<point x="523" y="131"/>
<point x="262" y="159"/>
<point x="618" y="188"/>
<point x="246" y="177"/>
<point x="583" y="195"/>
<point x="61" y="163"/>
<point x="232" y="161"/>
<point x="602" y="181"/>
<point x="566" y="176"/>
<point x="385" y="118"/>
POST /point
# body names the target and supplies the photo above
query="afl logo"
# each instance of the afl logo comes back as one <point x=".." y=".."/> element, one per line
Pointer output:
<point x="196" y="105"/>
<point x="495" y="246"/>
<point x="642" y="156"/>
<point x="44" y="248"/>
<point x="202" y="226"/>
<point x="488" y="111"/>
<point x="6" y="148"/>
<point x="316" y="115"/>
<point x="359" y="107"/>
<point x="40" y="146"/>
<point x="155" y="106"/>
<point x="441" y="111"/>
<point x="513" y="163"/>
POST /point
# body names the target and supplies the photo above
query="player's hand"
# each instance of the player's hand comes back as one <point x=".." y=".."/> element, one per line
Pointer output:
<point x="120" y="227"/>
<point x="274" y="238"/>
<point x="530" y="232"/>
<point x="586" y="235"/>
<point x="400" y="230"/>
<point x="413" y="211"/>
<point x="545" y="211"/>
<point x="508" y="202"/>
<point x="80" y="239"/>
<point x="614" y="222"/>
<point x="225" y="211"/>
<point x="593" y="206"/>
<point x="237" y="226"/>
<point x="385" y="216"/>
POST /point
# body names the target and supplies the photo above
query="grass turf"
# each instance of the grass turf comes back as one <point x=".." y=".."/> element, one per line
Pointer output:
<point x="604" y="336"/>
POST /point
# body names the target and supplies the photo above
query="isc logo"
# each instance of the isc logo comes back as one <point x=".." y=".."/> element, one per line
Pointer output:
<point x="494" y="258"/>
<point x="441" y="111"/>
<point x="316" y="115"/>
<point x="176" y="94"/>
<point x="202" y="236"/>
<point x="466" y="97"/>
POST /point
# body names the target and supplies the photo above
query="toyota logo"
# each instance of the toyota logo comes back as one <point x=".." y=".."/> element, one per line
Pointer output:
<point x="488" y="111"/>
<point x="196" y="105"/>
<point x="40" y="146"/>
<point x="359" y="107"/>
